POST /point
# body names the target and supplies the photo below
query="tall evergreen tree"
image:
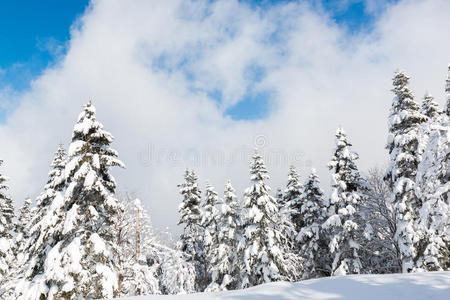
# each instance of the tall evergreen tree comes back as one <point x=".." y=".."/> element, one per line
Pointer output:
<point x="56" y="178"/>
<point x="312" y="239"/>
<point x="292" y="198"/>
<point x="260" y="246"/>
<point x="345" y="199"/>
<point x="429" y="107"/>
<point x="42" y="229"/>
<point x="24" y="217"/>
<point x="223" y="267"/>
<point x="209" y="225"/>
<point x="22" y="229"/>
<point x="6" y="226"/>
<point x="191" y="216"/>
<point x="403" y="142"/>
<point x="81" y="263"/>
<point x="289" y="224"/>
<point x="433" y="188"/>
<point x="430" y="111"/>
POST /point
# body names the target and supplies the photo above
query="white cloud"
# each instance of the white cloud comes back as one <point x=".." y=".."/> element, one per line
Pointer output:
<point x="132" y="58"/>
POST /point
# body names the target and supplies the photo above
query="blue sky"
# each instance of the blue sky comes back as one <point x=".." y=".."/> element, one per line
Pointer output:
<point x="33" y="34"/>
<point x="29" y="33"/>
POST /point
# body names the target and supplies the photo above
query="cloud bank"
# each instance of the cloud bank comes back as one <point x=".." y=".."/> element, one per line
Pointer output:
<point x="165" y="74"/>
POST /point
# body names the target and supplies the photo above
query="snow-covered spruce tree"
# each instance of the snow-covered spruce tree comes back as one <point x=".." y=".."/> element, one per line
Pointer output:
<point x="191" y="241"/>
<point x="290" y="223"/>
<point x="430" y="111"/>
<point x="343" y="225"/>
<point x="22" y="229"/>
<point x="6" y="226"/>
<point x="311" y="238"/>
<point x="81" y="263"/>
<point x="56" y="179"/>
<point x="259" y="249"/>
<point x="47" y="210"/>
<point x="292" y="198"/>
<point x="24" y="218"/>
<point x="42" y="231"/>
<point x="209" y="225"/>
<point x="223" y="264"/>
<point x="378" y="213"/>
<point x="285" y="225"/>
<point x="433" y="188"/>
<point x="429" y="107"/>
<point x="403" y="142"/>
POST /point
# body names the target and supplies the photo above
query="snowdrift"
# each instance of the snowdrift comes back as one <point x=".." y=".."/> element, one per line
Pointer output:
<point x="428" y="286"/>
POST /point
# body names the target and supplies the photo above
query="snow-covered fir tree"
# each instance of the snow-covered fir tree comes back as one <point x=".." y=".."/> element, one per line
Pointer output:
<point x="56" y="179"/>
<point x="429" y="107"/>
<point x="292" y="198"/>
<point x="343" y="226"/>
<point x="81" y="263"/>
<point x="311" y="238"/>
<point x="223" y="265"/>
<point x="6" y="226"/>
<point x="191" y="240"/>
<point x="24" y="218"/>
<point x="289" y="224"/>
<point x="22" y="229"/>
<point x="209" y="225"/>
<point x="433" y="189"/>
<point x="259" y="249"/>
<point x="42" y="231"/>
<point x="403" y="141"/>
<point x="430" y="111"/>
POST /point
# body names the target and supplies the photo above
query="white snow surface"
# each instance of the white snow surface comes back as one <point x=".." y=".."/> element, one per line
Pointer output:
<point x="431" y="285"/>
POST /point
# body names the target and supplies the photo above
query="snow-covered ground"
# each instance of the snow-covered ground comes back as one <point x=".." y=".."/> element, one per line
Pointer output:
<point x="428" y="286"/>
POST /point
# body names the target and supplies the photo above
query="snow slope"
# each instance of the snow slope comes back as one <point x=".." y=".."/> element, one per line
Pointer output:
<point x="429" y="286"/>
